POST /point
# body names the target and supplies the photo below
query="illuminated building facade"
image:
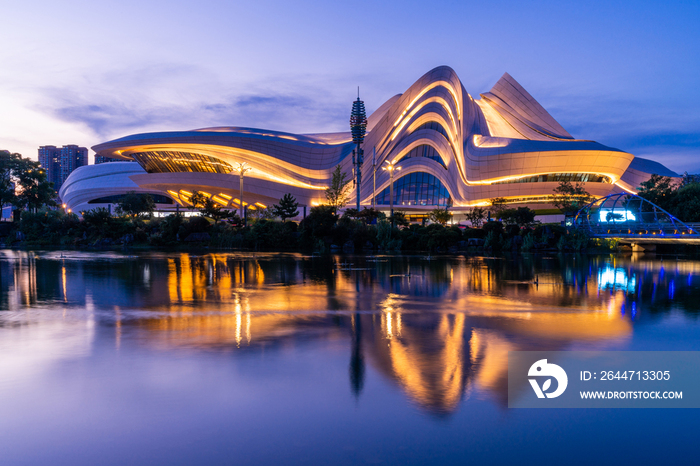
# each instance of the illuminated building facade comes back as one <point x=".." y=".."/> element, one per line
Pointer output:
<point x="449" y="150"/>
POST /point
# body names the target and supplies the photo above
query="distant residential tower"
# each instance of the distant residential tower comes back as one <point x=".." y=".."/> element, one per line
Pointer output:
<point x="59" y="163"/>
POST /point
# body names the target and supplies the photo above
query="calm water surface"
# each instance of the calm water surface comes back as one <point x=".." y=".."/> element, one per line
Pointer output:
<point x="170" y="358"/>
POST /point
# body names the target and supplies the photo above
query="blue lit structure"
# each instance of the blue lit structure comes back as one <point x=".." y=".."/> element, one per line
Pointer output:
<point x="628" y="216"/>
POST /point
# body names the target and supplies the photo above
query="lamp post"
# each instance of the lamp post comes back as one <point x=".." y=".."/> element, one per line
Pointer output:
<point x="358" y="128"/>
<point x="391" y="168"/>
<point x="242" y="169"/>
<point x="374" y="176"/>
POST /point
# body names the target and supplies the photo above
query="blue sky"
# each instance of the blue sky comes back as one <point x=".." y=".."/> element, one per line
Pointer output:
<point x="622" y="73"/>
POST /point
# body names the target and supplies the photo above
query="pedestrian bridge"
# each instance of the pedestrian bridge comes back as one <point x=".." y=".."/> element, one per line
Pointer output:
<point x="633" y="220"/>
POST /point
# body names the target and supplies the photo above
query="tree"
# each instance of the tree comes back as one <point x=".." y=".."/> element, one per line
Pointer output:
<point x="370" y="215"/>
<point x="97" y="221"/>
<point x="497" y="205"/>
<point x="522" y="216"/>
<point x="400" y="219"/>
<point x="570" y="199"/>
<point x="136" y="204"/>
<point x="214" y="211"/>
<point x="8" y="167"/>
<point x="337" y="193"/>
<point x="686" y="203"/>
<point x="476" y="216"/>
<point x="441" y="216"/>
<point x="658" y="190"/>
<point x="352" y="213"/>
<point x="198" y="200"/>
<point x="318" y="224"/>
<point x="287" y="208"/>
<point x="208" y="208"/>
<point x="35" y="190"/>
<point x="258" y="214"/>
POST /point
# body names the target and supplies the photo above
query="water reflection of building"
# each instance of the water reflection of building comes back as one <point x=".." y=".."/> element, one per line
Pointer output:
<point x="440" y="333"/>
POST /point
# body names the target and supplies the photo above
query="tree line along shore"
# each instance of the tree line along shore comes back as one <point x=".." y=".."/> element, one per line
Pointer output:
<point x="39" y="221"/>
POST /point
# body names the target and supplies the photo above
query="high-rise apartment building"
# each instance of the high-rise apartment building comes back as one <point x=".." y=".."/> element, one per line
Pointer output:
<point x="50" y="159"/>
<point x="59" y="163"/>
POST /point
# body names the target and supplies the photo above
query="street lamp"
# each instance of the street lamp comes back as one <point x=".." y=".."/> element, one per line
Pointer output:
<point x="374" y="177"/>
<point x="242" y="169"/>
<point x="391" y="168"/>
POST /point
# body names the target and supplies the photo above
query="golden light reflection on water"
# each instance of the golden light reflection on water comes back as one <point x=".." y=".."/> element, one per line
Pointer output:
<point x="440" y="329"/>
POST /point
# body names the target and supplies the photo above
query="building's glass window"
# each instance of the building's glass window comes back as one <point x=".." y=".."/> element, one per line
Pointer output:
<point x="559" y="177"/>
<point x="425" y="151"/>
<point x="417" y="189"/>
<point x="163" y="161"/>
<point x="117" y="198"/>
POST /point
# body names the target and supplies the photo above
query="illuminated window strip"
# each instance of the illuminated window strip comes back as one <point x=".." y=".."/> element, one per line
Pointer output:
<point x="202" y="163"/>
<point x="559" y="177"/>
<point x="165" y="161"/>
<point x="513" y="200"/>
<point x="507" y="179"/>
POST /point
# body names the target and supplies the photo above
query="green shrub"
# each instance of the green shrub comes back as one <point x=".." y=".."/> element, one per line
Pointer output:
<point x="496" y="227"/>
<point x="193" y="225"/>
<point x="474" y="233"/>
<point x="491" y="240"/>
<point x="528" y="242"/>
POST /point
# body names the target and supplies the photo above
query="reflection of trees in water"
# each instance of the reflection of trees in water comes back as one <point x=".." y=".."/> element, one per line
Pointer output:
<point x="439" y="332"/>
<point x="334" y="283"/>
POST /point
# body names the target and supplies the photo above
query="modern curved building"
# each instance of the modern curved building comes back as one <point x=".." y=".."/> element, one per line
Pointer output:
<point x="451" y="151"/>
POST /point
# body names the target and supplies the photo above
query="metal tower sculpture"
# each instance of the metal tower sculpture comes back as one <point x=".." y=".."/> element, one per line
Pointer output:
<point x="358" y="128"/>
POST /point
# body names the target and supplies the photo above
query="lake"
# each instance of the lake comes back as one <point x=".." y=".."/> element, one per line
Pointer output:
<point x="241" y="358"/>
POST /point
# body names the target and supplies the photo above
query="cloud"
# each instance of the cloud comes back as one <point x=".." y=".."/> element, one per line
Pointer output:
<point x="649" y="126"/>
<point x="173" y="98"/>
